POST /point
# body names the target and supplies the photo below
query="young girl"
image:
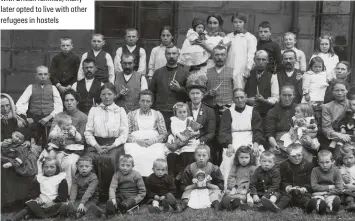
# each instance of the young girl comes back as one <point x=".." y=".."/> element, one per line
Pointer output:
<point x="48" y="194"/>
<point x="290" y="42"/>
<point x="326" y="52"/>
<point x="237" y="193"/>
<point x="347" y="171"/>
<point x="192" y="54"/>
<point x="314" y="82"/>
<point x="304" y="130"/>
<point x="157" y="56"/>
<point x="199" y="198"/>
<point x="13" y="151"/>
<point x="183" y="128"/>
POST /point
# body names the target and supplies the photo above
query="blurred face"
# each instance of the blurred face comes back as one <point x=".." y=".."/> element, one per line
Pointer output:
<point x="145" y="102"/>
<point x="298" y="113"/>
<point x="131" y="38"/>
<point x="261" y="60"/>
<point x="127" y="65"/>
<point x="239" y="99"/>
<point x="341" y="71"/>
<point x="17" y="138"/>
<point x="66" y="46"/>
<point x="172" y="55"/>
<point x="244" y="159"/>
<point x="289" y="60"/>
<point x="267" y="163"/>
<point x="264" y="33"/>
<point x="125" y="166"/>
<point x="89" y="70"/>
<point x="42" y="75"/>
<point x="352" y="105"/>
<point x="317" y="67"/>
<point x="70" y="102"/>
<point x="349" y="159"/>
<point x="213" y="24"/>
<point x="325" y="163"/>
<point x="65" y="125"/>
<point x="97" y="43"/>
<point x="200" y="177"/>
<point x="286" y="96"/>
<point x="296" y="156"/>
<point x="84" y="168"/>
<point x="196" y="96"/>
<point x="201" y="157"/>
<point x="5" y="106"/>
<point x="199" y="28"/>
<point x="219" y="57"/>
<point x="107" y="96"/>
<point x="289" y="41"/>
<point x="166" y="37"/>
<point x="181" y="113"/>
<point x="160" y="169"/>
<point x="324" y="45"/>
<point x="238" y="24"/>
<point x="49" y="168"/>
<point x="339" y="92"/>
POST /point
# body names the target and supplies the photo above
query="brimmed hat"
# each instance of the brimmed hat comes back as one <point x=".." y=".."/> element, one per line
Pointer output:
<point x="196" y="81"/>
<point x="203" y="88"/>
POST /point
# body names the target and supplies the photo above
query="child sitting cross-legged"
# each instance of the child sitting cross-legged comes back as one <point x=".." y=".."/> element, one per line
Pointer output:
<point x="347" y="170"/>
<point x="83" y="193"/>
<point x="215" y="186"/>
<point x="265" y="183"/>
<point x="327" y="184"/>
<point x="127" y="187"/>
<point x="161" y="188"/>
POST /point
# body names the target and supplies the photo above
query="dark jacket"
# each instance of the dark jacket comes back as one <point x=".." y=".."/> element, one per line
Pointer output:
<point x="159" y="186"/>
<point x="283" y="80"/>
<point x="265" y="182"/>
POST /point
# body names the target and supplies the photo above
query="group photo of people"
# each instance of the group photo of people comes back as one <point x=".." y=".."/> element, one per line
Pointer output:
<point x="227" y="122"/>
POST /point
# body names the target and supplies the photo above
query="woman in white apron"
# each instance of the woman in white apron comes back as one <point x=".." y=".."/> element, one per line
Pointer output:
<point x="147" y="133"/>
<point x="240" y="125"/>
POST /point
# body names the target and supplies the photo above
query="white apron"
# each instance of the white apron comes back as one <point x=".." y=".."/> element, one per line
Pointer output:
<point x="145" y="156"/>
<point x="242" y="135"/>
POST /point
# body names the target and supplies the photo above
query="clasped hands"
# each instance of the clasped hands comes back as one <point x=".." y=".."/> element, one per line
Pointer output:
<point x="104" y="148"/>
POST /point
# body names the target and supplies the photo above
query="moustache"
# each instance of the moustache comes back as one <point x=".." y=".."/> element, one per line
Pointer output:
<point x="288" y="63"/>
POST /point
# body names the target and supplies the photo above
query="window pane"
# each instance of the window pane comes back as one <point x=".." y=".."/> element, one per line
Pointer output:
<point x="340" y="7"/>
<point x="117" y="3"/>
<point x="116" y="18"/>
<point x="338" y="27"/>
<point x="157" y="4"/>
<point x="151" y="20"/>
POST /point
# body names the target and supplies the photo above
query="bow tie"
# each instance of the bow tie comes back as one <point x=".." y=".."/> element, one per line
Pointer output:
<point x="195" y="108"/>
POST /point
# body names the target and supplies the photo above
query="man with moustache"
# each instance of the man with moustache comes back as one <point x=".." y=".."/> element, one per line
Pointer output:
<point x="129" y="83"/>
<point x="89" y="87"/>
<point x="168" y="85"/>
<point x="262" y="87"/>
<point x="290" y="75"/>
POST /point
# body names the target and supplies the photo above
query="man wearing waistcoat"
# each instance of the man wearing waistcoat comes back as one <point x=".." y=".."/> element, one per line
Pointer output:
<point x="262" y="87"/>
<point x="89" y="87"/>
<point x="104" y="63"/>
<point x="129" y="83"/>
<point x="40" y="102"/>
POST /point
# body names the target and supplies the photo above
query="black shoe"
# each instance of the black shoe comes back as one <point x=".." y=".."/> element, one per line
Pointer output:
<point x="110" y="209"/>
<point x="246" y="207"/>
<point x="63" y="210"/>
<point x="350" y="207"/>
<point x="153" y="209"/>
<point x="322" y="207"/>
<point x="234" y="204"/>
<point x="216" y="205"/>
<point x="336" y="204"/>
<point x="176" y="208"/>
<point x="311" y="206"/>
<point x="123" y="208"/>
<point x="165" y="205"/>
<point x="269" y="205"/>
<point x="95" y="210"/>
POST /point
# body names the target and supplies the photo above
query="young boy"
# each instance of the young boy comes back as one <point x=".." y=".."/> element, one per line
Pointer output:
<point x="265" y="182"/>
<point x="202" y="155"/>
<point x="327" y="184"/>
<point x="295" y="179"/>
<point x="41" y="102"/>
<point x="272" y="48"/>
<point x="64" y="66"/>
<point x="161" y="188"/>
<point x="131" y="47"/>
<point x="243" y="47"/>
<point x="347" y="171"/>
<point x="127" y="187"/>
<point x="103" y="60"/>
<point x="290" y="42"/>
<point x="83" y="194"/>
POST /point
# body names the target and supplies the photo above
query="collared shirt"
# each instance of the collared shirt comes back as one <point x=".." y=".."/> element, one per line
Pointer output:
<point x="148" y="113"/>
<point x="219" y="69"/>
<point x="144" y="83"/>
<point x="331" y="113"/>
<point x="88" y="84"/>
<point x="109" y="62"/>
<point x="301" y="63"/>
<point x="142" y="59"/>
<point x="195" y="112"/>
<point x="289" y="73"/>
<point x="22" y="104"/>
<point x="157" y="59"/>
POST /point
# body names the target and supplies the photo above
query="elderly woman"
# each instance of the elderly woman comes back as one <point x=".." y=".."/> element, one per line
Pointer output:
<point x="240" y="125"/>
<point x="203" y="115"/>
<point x="106" y="132"/>
<point x="278" y="121"/>
<point x="15" y="181"/>
<point x="147" y="133"/>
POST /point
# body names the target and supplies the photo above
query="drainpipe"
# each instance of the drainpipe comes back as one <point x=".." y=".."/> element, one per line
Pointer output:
<point x="295" y="11"/>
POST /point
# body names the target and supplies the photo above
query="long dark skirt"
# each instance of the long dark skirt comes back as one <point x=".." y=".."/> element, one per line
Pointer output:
<point x="105" y="165"/>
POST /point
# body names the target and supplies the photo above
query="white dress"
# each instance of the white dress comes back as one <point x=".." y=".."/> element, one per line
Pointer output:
<point x="145" y="156"/>
<point x="330" y="63"/>
<point x="315" y="85"/>
<point x="200" y="198"/>
<point x="241" y="135"/>
<point x="177" y="126"/>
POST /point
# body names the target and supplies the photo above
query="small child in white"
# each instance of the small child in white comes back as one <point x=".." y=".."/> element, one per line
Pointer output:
<point x="199" y="198"/>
